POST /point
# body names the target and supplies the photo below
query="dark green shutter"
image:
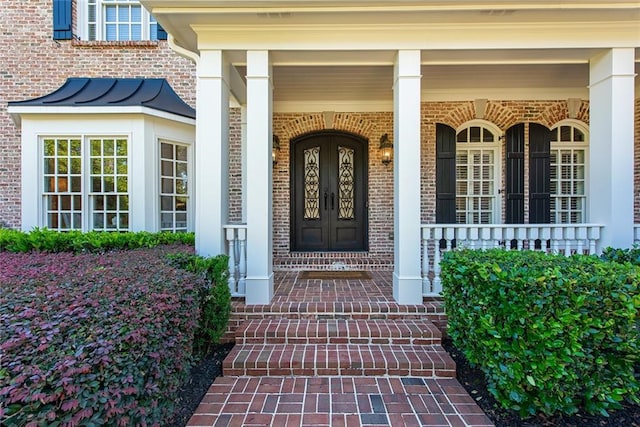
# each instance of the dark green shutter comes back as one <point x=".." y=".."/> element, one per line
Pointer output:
<point x="515" y="175"/>
<point x="539" y="178"/>
<point x="161" y="33"/>
<point x="445" y="174"/>
<point x="62" y="14"/>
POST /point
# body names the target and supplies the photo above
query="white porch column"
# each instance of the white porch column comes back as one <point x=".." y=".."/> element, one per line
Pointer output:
<point x="611" y="96"/>
<point x="212" y="153"/>
<point x="407" y="280"/>
<point x="259" y="184"/>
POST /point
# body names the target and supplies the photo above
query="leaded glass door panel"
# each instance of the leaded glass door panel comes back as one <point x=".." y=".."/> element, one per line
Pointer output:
<point x="329" y="192"/>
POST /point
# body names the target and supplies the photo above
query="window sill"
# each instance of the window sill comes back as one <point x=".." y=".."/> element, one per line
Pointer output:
<point x="101" y="44"/>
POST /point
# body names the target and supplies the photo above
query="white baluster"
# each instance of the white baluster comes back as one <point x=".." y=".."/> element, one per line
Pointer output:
<point x="437" y="282"/>
<point x="485" y="235"/>
<point x="498" y="236"/>
<point x="231" y="252"/>
<point x="545" y="237"/>
<point x="472" y="233"/>
<point x="449" y="235"/>
<point x="593" y="236"/>
<point x="570" y="238"/>
<point x="242" y="263"/>
<point x="581" y="236"/>
<point x="426" y="284"/>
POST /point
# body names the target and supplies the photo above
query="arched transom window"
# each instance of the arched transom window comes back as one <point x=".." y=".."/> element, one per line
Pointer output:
<point x="477" y="163"/>
<point x="568" y="170"/>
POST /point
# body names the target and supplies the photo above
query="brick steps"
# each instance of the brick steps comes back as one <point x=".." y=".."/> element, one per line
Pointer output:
<point x="339" y="359"/>
<point x="338" y="331"/>
<point x="335" y="347"/>
<point x="430" y="311"/>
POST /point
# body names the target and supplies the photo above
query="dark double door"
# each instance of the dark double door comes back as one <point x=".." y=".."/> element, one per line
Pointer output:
<point x="329" y="192"/>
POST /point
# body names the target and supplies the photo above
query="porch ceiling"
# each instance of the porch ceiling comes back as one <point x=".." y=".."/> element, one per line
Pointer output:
<point x="318" y="86"/>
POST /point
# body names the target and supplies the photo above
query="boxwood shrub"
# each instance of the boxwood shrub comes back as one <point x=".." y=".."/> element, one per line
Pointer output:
<point x="552" y="334"/>
<point x="215" y="297"/>
<point x="94" y="339"/>
<point x="42" y="239"/>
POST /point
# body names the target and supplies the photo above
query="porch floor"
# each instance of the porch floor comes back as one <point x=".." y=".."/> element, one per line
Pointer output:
<point x="337" y="352"/>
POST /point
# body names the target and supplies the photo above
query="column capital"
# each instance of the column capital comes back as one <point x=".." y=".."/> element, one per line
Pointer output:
<point x="619" y="62"/>
<point x="407" y="64"/>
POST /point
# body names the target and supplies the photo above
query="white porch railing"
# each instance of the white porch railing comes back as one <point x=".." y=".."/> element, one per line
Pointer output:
<point x="236" y="236"/>
<point x="636" y="234"/>
<point x="556" y="238"/>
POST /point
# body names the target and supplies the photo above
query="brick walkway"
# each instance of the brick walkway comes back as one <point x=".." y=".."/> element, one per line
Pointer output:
<point x="337" y="353"/>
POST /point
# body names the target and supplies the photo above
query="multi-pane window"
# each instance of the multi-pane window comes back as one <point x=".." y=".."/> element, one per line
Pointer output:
<point x="568" y="175"/>
<point x="76" y="200"/>
<point x="109" y="184"/>
<point x="476" y="154"/>
<point x="63" y="183"/>
<point x="174" y="194"/>
<point x="119" y="20"/>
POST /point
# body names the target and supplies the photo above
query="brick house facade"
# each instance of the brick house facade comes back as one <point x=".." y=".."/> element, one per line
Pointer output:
<point x="34" y="64"/>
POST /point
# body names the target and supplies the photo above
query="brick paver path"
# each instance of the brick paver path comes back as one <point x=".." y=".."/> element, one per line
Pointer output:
<point x="337" y="353"/>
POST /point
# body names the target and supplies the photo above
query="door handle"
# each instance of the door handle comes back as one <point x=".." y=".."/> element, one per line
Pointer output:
<point x="325" y="200"/>
<point x="332" y="200"/>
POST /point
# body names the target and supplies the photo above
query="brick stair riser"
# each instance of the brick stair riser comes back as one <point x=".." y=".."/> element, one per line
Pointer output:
<point x="341" y="359"/>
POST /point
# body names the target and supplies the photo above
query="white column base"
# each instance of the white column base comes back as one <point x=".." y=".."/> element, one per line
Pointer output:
<point x="407" y="290"/>
<point x="259" y="290"/>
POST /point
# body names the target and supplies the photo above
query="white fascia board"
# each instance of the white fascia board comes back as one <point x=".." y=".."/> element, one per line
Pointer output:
<point x="17" y="111"/>
<point x="498" y="35"/>
<point x="280" y="6"/>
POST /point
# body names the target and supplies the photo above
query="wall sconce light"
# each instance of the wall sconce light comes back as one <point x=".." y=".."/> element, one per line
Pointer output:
<point x="386" y="148"/>
<point x="275" y="148"/>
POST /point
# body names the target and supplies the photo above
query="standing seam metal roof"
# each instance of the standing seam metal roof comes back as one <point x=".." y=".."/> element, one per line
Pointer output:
<point x="112" y="92"/>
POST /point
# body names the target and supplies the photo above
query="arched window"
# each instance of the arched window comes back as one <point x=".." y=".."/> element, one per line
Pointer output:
<point x="568" y="172"/>
<point x="477" y="173"/>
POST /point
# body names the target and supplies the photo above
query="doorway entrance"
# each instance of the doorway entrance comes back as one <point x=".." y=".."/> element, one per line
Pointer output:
<point x="329" y="192"/>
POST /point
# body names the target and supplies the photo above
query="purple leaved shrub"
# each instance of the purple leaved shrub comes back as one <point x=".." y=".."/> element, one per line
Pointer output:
<point x="93" y="339"/>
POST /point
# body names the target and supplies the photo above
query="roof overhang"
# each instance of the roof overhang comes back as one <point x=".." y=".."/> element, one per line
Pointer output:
<point x="375" y="25"/>
<point x="17" y="112"/>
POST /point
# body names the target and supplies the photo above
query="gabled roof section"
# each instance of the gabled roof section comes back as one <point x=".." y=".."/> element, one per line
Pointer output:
<point x="109" y="92"/>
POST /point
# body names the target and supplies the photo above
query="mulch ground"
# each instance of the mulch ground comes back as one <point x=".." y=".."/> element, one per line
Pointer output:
<point x="202" y="375"/>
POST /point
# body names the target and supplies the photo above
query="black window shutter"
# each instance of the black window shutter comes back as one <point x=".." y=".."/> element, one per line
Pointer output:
<point x="539" y="179"/>
<point x="445" y="174"/>
<point x="162" y="34"/>
<point x="515" y="174"/>
<point x="62" y="14"/>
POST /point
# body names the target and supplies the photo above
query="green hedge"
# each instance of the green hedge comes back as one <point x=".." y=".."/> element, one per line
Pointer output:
<point x="215" y="296"/>
<point x="42" y="239"/>
<point x="631" y="256"/>
<point x="552" y="334"/>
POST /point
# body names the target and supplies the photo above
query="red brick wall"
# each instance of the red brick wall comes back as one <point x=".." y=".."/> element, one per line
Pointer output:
<point x="368" y="125"/>
<point x="33" y="64"/>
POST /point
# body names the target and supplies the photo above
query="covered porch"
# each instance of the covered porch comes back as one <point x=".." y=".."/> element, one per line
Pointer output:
<point x="294" y="69"/>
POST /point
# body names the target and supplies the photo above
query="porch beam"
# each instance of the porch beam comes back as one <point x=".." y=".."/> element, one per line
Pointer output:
<point x="212" y="153"/>
<point x="611" y="96"/>
<point x="407" y="280"/>
<point x="259" y="188"/>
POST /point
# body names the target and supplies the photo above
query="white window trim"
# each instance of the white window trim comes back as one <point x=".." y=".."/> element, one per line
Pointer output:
<point x="82" y="13"/>
<point x="87" y="210"/>
<point x="584" y="128"/>
<point x="497" y="147"/>
<point x="190" y="181"/>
